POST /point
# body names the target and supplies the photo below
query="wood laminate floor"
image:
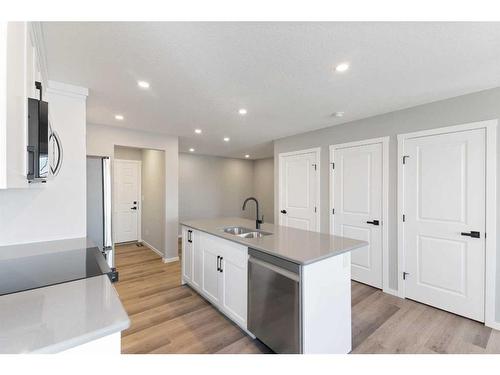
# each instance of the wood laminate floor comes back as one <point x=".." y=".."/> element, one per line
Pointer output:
<point x="169" y="318"/>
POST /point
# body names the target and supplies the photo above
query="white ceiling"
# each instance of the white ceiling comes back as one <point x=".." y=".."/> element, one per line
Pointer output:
<point x="282" y="73"/>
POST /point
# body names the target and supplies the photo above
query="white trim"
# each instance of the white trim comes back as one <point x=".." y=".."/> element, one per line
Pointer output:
<point x="36" y="31"/>
<point x="317" y="151"/>
<point x="151" y="247"/>
<point x="170" y="260"/>
<point x="491" y="209"/>
<point x="385" y="199"/>
<point x="67" y="90"/>
<point x="139" y="184"/>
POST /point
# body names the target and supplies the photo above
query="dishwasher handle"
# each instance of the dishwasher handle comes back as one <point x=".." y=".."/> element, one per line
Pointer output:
<point x="272" y="267"/>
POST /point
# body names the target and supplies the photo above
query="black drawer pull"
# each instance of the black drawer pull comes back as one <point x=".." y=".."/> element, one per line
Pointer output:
<point x="472" y="234"/>
<point x="374" y="222"/>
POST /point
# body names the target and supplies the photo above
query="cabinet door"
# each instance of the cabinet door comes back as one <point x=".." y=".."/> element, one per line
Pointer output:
<point x="234" y="282"/>
<point x="210" y="282"/>
<point x="197" y="245"/>
<point x="187" y="254"/>
<point x="234" y="290"/>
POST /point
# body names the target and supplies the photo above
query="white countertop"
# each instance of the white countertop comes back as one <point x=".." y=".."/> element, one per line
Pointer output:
<point x="297" y="245"/>
<point x="59" y="317"/>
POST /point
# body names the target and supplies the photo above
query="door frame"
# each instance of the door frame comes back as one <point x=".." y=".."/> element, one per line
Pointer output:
<point x="385" y="199"/>
<point x="139" y="211"/>
<point x="281" y="157"/>
<point x="490" y="127"/>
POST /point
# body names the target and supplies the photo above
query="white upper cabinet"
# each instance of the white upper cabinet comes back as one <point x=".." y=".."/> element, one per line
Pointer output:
<point x="19" y="69"/>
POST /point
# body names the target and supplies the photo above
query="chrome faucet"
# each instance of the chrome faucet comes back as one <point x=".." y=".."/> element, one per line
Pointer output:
<point x="257" y="220"/>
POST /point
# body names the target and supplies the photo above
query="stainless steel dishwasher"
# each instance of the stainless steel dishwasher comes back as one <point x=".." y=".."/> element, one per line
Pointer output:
<point x="274" y="302"/>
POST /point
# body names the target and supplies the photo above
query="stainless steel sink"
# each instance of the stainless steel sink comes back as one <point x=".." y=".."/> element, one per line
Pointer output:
<point x="237" y="230"/>
<point x="254" y="234"/>
<point x="245" y="232"/>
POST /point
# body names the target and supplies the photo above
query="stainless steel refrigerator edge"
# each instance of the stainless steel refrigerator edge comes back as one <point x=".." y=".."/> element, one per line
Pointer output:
<point x="99" y="205"/>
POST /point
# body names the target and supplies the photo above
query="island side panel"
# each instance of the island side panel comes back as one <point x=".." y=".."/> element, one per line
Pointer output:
<point x="326" y="306"/>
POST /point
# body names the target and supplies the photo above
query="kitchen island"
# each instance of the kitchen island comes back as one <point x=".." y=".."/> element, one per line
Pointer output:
<point x="288" y="287"/>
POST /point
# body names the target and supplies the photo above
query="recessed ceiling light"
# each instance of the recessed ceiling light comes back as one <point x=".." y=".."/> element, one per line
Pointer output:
<point x="342" y="67"/>
<point x="143" y="84"/>
<point x="197" y="131"/>
<point x="247" y="156"/>
<point x="338" y="114"/>
<point x="242" y="111"/>
<point x="191" y="150"/>
<point x="226" y="139"/>
<point x="119" y="117"/>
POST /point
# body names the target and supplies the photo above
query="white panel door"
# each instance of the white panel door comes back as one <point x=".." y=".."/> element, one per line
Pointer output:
<point x="298" y="190"/>
<point x="127" y="179"/>
<point x="357" y="200"/>
<point x="444" y="200"/>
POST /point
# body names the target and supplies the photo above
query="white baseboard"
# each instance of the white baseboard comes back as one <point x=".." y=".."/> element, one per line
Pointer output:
<point x="170" y="260"/>
<point x="391" y="291"/>
<point x="494" y="325"/>
<point x="153" y="248"/>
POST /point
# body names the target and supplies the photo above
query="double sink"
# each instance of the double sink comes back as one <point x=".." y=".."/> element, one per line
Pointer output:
<point x="245" y="232"/>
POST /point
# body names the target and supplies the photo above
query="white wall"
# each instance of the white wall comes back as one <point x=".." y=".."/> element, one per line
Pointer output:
<point x="211" y="186"/>
<point x="128" y="153"/>
<point x="263" y="186"/>
<point x="57" y="209"/>
<point x="153" y="198"/>
<point x="101" y="141"/>
<point x="484" y="105"/>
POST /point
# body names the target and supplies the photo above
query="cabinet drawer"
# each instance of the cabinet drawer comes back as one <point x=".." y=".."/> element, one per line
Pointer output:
<point x="237" y="253"/>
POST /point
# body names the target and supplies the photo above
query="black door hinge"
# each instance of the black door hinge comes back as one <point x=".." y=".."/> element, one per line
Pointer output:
<point x="404" y="158"/>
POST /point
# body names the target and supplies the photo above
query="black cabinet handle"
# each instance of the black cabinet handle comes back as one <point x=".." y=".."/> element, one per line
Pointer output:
<point x="133" y="208"/>
<point x="374" y="222"/>
<point x="220" y="266"/>
<point x="283" y="212"/>
<point x="472" y="233"/>
<point x="190" y="236"/>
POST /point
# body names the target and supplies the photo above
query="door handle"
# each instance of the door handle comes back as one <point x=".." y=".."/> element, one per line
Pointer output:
<point x="374" y="222"/>
<point x="283" y="212"/>
<point x="472" y="233"/>
<point x="133" y="208"/>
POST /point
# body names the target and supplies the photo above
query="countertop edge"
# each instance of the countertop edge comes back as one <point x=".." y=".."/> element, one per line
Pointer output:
<point x="90" y="336"/>
<point x="241" y="241"/>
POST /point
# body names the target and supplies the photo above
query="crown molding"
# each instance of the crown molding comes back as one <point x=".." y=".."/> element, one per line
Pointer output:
<point x="66" y="89"/>
<point x="36" y="31"/>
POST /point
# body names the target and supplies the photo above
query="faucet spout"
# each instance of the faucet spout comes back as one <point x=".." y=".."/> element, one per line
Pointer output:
<point x="257" y="220"/>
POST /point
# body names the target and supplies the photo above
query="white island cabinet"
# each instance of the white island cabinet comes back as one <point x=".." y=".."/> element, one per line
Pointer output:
<point x="217" y="269"/>
<point x="290" y="288"/>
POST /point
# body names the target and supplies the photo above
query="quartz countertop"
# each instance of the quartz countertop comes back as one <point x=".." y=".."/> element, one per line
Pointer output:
<point x="296" y="245"/>
<point x="58" y="317"/>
